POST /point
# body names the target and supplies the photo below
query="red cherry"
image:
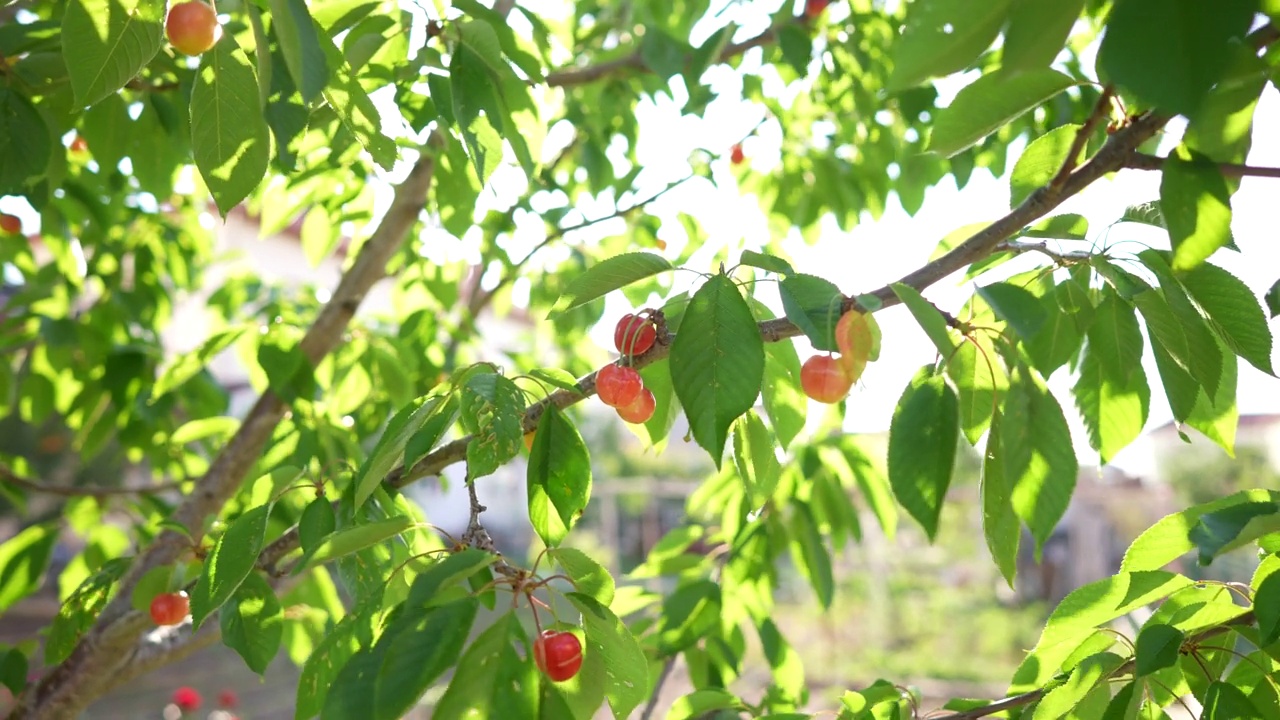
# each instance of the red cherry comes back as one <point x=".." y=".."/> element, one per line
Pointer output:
<point x="558" y="654"/>
<point x="618" y="386"/>
<point x="736" y="156"/>
<point x="634" y="335"/>
<point x="170" y="608"/>
<point x="640" y="409"/>
<point x="186" y="698"/>
<point x="825" y="379"/>
<point x="814" y="8"/>
<point x="10" y="223"/>
<point x="79" y="145"/>
<point x="228" y="700"/>
<point x="192" y="27"/>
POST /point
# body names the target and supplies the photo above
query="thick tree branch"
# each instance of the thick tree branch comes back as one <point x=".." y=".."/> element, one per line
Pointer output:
<point x="8" y="476"/>
<point x="1141" y="161"/>
<point x="105" y="650"/>
<point x="634" y="62"/>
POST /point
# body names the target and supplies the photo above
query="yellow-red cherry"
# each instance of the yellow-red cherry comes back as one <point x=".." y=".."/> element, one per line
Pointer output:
<point x="634" y="335"/>
<point x="192" y="27"/>
<point x="558" y="654"/>
<point x="824" y="378"/>
<point x="618" y="386"/>
<point x="170" y="608"/>
<point x="640" y="409"/>
<point x="10" y="223"/>
<point x="736" y="156"/>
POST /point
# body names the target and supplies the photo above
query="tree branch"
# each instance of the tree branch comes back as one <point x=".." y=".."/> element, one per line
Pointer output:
<point x="104" y="651"/>
<point x="1141" y="161"/>
<point x="1100" y="110"/>
<point x="7" y="475"/>
<point x="635" y="62"/>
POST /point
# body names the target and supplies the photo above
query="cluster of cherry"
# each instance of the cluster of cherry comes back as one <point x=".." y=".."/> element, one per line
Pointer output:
<point x="620" y="386"/>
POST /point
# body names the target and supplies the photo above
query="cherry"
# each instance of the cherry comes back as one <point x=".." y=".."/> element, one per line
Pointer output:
<point x="528" y="441"/>
<point x="227" y="699"/>
<point x="170" y="608"/>
<point x="187" y="699"/>
<point x="10" y="223"/>
<point x="824" y="379"/>
<point x="633" y="335"/>
<point x="79" y="145"/>
<point x="192" y="27"/>
<point x="640" y="409"/>
<point x="558" y="654"/>
<point x="855" y="339"/>
<point x="736" y="156"/>
<point x="814" y="8"/>
<point x="618" y="386"/>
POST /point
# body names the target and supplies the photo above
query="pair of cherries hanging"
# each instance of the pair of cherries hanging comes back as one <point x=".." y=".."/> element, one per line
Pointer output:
<point x="620" y="386"/>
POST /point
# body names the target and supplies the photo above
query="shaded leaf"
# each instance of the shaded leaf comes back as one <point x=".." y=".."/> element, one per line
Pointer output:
<point x="559" y="477"/>
<point x="922" y="447"/>
<point x="990" y="102"/>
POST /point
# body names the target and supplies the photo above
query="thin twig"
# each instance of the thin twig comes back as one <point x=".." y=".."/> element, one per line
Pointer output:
<point x="1100" y="110"/>
<point x="1062" y="258"/>
<point x="7" y="475"/>
<point x="1141" y="161"/>
<point x="657" y="688"/>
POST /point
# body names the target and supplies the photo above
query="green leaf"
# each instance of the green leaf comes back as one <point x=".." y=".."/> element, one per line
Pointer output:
<point x="810" y="552"/>
<point x="185" y="366"/>
<point x="556" y="377"/>
<point x="717" y="362"/>
<point x="1000" y="525"/>
<point x="300" y="46"/>
<point x="767" y="262"/>
<point x="417" y="652"/>
<point x="317" y="522"/>
<point x="331" y="654"/>
<point x="1068" y="226"/>
<point x="218" y="428"/>
<point x="390" y="448"/>
<point x="106" y="43"/>
<point x="929" y="317"/>
<point x="784" y="402"/>
<point x="1156" y="648"/>
<point x="942" y="37"/>
<point x="922" y="447"/>
<point x="229" y="133"/>
<point x="1169" y="539"/>
<point x="589" y="577"/>
<point x="1170" y="52"/>
<point x="688" y="614"/>
<point x="873" y="483"/>
<point x="476" y="108"/>
<point x="1100" y="602"/>
<point x="991" y="102"/>
<point x="1217" y="416"/>
<point x="1266" y="608"/>
<point x="492" y="679"/>
<point x="1273" y="300"/>
<point x="755" y="459"/>
<point x="1226" y="702"/>
<point x="1111" y="392"/>
<point x="704" y="703"/>
<point x="1197" y="208"/>
<point x="430" y="585"/>
<point x="1233" y="311"/>
<point x="657" y="378"/>
<point x="1016" y="306"/>
<point x="980" y="380"/>
<point x="627" y="681"/>
<point x="1084" y="677"/>
<point x="1037" y="31"/>
<point x="608" y="275"/>
<point x="355" y="110"/>
<point x="79" y="611"/>
<point x="253" y="623"/>
<point x="558" y="475"/>
<point x="346" y="541"/>
<point x="24" y="559"/>
<point x="229" y="563"/>
<point x="25" y="147"/>
<point x="1059" y="338"/>
<point x="1220" y="531"/>
<point x="14" y="670"/>
<point x="1039" y="461"/>
<point x="814" y="305"/>
<point x="1041" y="161"/>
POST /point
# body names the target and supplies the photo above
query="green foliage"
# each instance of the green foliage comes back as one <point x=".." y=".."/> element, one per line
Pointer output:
<point x="485" y="173"/>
